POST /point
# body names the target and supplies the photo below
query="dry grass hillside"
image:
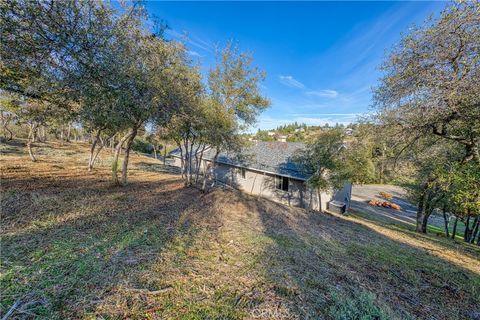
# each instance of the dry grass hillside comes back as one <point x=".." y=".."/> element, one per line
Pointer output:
<point x="74" y="246"/>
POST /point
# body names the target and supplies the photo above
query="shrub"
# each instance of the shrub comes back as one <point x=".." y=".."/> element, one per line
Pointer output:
<point x="140" y="145"/>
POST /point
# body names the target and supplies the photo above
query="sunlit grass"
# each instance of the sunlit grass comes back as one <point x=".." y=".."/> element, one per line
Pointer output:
<point x="87" y="249"/>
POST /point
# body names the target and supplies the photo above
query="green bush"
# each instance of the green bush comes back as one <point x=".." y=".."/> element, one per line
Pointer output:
<point x="140" y="145"/>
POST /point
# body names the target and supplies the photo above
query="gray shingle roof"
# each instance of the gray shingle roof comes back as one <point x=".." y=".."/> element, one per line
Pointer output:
<point x="275" y="157"/>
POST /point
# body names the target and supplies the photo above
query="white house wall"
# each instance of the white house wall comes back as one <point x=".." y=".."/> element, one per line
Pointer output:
<point x="263" y="184"/>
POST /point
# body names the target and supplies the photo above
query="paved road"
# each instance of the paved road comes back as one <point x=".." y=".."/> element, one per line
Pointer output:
<point x="361" y="194"/>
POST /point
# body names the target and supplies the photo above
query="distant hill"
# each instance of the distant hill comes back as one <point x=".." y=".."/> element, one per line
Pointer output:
<point x="293" y="132"/>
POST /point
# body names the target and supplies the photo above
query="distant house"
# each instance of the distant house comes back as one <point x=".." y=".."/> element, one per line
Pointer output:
<point x="271" y="133"/>
<point x="267" y="169"/>
<point x="281" y="138"/>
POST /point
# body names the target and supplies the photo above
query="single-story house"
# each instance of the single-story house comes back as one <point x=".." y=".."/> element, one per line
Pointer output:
<point x="267" y="169"/>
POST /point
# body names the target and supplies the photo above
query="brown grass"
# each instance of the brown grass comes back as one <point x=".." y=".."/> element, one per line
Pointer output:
<point x="153" y="249"/>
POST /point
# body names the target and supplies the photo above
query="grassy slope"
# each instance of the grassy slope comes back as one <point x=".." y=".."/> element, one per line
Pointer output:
<point x="156" y="250"/>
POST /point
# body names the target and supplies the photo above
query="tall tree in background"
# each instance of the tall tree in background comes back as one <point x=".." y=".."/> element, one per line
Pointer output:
<point x="322" y="159"/>
<point x="428" y="97"/>
<point x="234" y="83"/>
<point x="432" y="80"/>
<point x="234" y="86"/>
<point x="31" y="112"/>
<point x="45" y="43"/>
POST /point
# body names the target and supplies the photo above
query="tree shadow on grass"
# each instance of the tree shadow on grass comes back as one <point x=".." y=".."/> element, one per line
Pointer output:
<point x="408" y="229"/>
<point x="156" y="167"/>
<point x="85" y="248"/>
<point x="324" y="266"/>
<point x="100" y="251"/>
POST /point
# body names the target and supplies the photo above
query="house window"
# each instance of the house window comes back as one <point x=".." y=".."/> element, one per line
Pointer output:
<point x="242" y="173"/>
<point x="281" y="183"/>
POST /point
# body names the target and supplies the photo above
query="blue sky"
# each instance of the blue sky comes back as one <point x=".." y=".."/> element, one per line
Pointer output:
<point x="321" y="58"/>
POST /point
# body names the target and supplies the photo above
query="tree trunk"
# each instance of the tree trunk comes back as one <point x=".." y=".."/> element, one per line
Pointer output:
<point x="476" y="222"/>
<point x="165" y="154"/>
<point x="199" y="164"/>
<point x="319" y="195"/>
<point x="454" y="231"/>
<point x="31" y="140"/>
<point x="6" y="121"/>
<point x="69" y="132"/>
<point x="420" y="214"/>
<point x="182" y="160"/>
<point x="93" y="153"/>
<point x="190" y="162"/>
<point x="187" y="164"/>
<point x="133" y="134"/>
<point x="428" y="213"/>
<point x="92" y="150"/>
<point x="154" y="152"/>
<point x="10" y="133"/>
<point x="466" y="234"/>
<point x="445" y="219"/>
<point x="210" y="172"/>
<point x="95" y="156"/>
<point x="205" y="177"/>
<point x="116" y="155"/>
<point x="382" y="164"/>
<point x="112" y="143"/>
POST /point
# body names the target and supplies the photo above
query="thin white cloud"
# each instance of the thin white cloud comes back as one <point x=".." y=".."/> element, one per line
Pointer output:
<point x="194" y="53"/>
<point x="291" y="82"/>
<point x="191" y="39"/>
<point x="326" y="93"/>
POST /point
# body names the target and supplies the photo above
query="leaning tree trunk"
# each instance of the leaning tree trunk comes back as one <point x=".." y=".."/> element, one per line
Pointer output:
<point x="31" y="140"/>
<point x="133" y="133"/>
<point x="445" y="219"/>
<point x="7" y="120"/>
<point x="116" y="155"/>
<point x="428" y="213"/>
<point x="466" y="234"/>
<point x="100" y="147"/>
<point x="91" y="159"/>
<point x="476" y="222"/>
<point x="454" y="231"/>
<point x="10" y="133"/>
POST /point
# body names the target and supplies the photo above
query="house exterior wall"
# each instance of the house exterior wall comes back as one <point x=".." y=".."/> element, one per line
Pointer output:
<point x="177" y="162"/>
<point x="263" y="184"/>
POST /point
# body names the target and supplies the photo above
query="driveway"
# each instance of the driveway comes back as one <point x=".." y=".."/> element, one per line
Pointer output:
<point x="361" y="194"/>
